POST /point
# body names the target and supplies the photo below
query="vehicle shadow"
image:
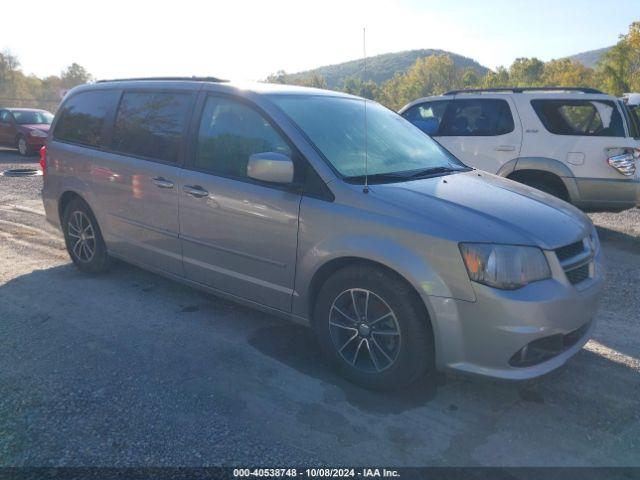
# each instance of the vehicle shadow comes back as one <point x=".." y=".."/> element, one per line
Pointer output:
<point x="11" y="156"/>
<point x="623" y="241"/>
<point x="295" y="346"/>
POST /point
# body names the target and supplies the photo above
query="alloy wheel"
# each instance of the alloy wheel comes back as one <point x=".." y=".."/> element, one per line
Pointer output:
<point x="81" y="236"/>
<point x="22" y="146"/>
<point x="364" y="330"/>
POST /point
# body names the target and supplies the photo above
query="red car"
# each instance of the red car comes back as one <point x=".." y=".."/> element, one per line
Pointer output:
<point x="24" y="128"/>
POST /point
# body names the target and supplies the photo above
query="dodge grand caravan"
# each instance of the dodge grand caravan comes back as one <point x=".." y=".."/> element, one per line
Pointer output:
<point x="401" y="258"/>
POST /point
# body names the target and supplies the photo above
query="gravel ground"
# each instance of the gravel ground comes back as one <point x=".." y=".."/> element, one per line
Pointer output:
<point x="129" y="368"/>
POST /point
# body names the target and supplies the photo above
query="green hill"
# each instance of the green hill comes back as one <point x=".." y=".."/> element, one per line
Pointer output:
<point x="381" y="67"/>
<point x="590" y="58"/>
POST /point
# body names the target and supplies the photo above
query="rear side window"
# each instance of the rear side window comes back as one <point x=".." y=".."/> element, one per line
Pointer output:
<point x="477" y="118"/>
<point x="597" y="118"/>
<point x="151" y="125"/>
<point x="230" y="132"/>
<point x="632" y="120"/>
<point x="5" y="116"/>
<point x="82" y="118"/>
<point x="427" y="116"/>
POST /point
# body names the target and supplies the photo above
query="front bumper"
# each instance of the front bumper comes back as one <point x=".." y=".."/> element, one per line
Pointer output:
<point x="482" y="337"/>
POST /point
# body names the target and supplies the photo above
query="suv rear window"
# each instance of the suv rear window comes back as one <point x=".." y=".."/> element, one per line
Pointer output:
<point x="82" y="118"/>
<point x="477" y="118"/>
<point x="151" y="125"/>
<point x="597" y="118"/>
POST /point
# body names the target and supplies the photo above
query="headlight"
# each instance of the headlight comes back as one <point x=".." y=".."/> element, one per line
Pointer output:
<point x="38" y="133"/>
<point x="504" y="266"/>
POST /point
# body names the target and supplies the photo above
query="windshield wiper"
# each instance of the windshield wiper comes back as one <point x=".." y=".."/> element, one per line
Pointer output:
<point x="404" y="176"/>
<point x="431" y="172"/>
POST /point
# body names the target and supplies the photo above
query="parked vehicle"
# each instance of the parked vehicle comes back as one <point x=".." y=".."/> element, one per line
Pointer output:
<point x="575" y="143"/>
<point x="24" y="128"/>
<point x="400" y="257"/>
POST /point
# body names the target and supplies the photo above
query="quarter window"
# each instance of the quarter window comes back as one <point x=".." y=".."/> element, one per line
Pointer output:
<point x="230" y="132"/>
<point x="598" y="118"/>
<point x="427" y="116"/>
<point x="151" y="125"/>
<point x="5" y="116"/>
<point x="477" y="118"/>
<point x="82" y="118"/>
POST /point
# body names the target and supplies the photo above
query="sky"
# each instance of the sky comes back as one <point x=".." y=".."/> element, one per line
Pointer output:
<point x="248" y="40"/>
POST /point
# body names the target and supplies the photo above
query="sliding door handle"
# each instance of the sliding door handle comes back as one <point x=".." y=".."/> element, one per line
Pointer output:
<point x="161" y="182"/>
<point x="195" y="191"/>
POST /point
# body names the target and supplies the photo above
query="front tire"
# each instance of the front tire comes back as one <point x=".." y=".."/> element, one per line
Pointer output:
<point x="369" y="324"/>
<point x="83" y="238"/>
<point x="22" y="146"/>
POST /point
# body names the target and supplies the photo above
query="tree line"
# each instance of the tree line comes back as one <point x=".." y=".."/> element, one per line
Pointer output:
<point x="617" y="72"/>
<point x="20" y="90"/>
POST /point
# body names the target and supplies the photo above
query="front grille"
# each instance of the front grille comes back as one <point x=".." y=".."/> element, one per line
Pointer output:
<point x="575" y="259"/>
<point x="579" y="274"/>
<point x="570" y="250"/>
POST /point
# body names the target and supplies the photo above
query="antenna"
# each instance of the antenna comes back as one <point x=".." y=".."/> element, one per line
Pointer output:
<point x="365" y="189"/>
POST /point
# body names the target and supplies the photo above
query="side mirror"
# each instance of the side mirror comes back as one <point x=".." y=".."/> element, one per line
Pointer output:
<point x="270" y="167"/>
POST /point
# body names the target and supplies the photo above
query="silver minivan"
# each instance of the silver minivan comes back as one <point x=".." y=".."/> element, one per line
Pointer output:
<point x="328" y="210"/>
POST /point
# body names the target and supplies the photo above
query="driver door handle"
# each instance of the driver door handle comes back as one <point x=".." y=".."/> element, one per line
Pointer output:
<point x="195" y="191"/>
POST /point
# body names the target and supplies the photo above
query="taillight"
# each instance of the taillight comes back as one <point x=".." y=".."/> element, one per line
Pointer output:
<point x="43" y="159"/>
<point x="625" y="163"/>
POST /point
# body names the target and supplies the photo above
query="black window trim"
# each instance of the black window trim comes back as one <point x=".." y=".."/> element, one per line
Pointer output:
<point x="446" y="117"/>
<point x="300" y="163"/>
<point x="569" y="100"/>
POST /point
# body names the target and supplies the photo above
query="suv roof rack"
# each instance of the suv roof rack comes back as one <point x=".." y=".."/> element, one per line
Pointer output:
<point x="525" y="89"/>
<point x="141" y="79"/>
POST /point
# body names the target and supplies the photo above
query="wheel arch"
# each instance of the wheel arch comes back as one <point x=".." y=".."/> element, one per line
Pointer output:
<point x="549" y="167"/>
<point x="327" y="269"/>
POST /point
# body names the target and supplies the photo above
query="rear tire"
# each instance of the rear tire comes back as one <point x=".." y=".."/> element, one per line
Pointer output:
<point x="83" y="238"/>
<point x="369" y="325"/>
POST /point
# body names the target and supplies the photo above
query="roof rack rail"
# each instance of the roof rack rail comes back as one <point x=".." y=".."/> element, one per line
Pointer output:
<point x="525" y="89"/>
<point x="141" y="79"/>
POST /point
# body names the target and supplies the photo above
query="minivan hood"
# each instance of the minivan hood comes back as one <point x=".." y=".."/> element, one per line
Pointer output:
<point x="488" y="208"/>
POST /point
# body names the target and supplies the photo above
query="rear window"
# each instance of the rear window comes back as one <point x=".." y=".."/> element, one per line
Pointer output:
<point x="632" y="120"/>
<point x="82" y="118"/>
<point x="597" y="118"/>
<point x="477" y="118"/>
<point x="151" y="125"/>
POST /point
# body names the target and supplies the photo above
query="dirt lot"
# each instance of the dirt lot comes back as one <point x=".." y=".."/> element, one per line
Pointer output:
<point x="129" y="368"/>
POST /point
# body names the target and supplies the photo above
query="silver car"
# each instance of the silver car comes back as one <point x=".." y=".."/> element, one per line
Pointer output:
<point x="330" y="211"/>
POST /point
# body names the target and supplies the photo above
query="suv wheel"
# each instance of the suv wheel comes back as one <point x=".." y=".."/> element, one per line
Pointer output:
<point x="83" y="238"/>
<point x="368" y="324"/>
<point x="21" y="145"/>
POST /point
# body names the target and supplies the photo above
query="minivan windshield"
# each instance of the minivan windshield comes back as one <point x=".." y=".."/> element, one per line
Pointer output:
<point x="395" y="148"/>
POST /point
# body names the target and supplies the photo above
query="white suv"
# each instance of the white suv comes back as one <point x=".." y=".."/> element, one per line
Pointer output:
<point x="576" y="143"/>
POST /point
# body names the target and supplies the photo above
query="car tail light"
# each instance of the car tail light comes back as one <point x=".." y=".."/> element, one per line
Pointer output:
<point x="43" y="159"/>
<point x="625" y="163"/>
